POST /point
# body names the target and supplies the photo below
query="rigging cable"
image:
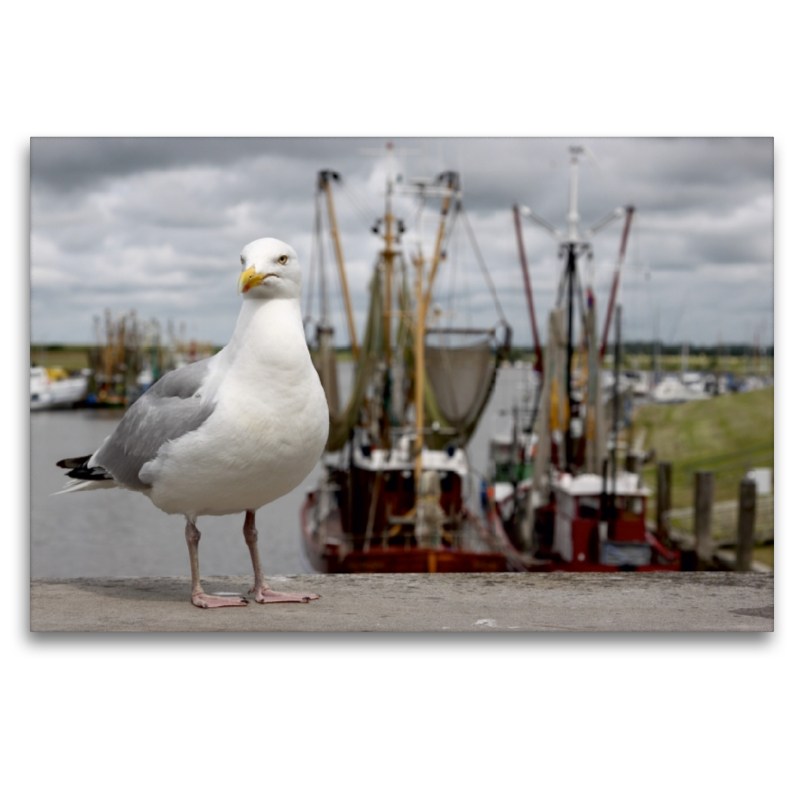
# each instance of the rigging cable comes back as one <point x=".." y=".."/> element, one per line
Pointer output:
<point x="562" y="281"/>
<point x="454" y="264"/>
<point x="582" y="306"/>
<point x="367" y="217"/>
<point x="312" y="262"/>
<point x="483" y="268"/>
<point x="324" y="300"/>
<point x="403" y="323"/>
<point x="341" y="309"/>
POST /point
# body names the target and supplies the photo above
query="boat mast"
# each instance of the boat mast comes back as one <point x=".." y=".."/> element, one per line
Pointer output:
<point x="423" y="299"/>
<point x="612" y="299"/>
<point x="568" y="378"/>
<point x="419" y="372"/>
<point x="388" y="254"/>
<point x="538" y="361"/>
<point x="573" y="243"/>
<point x="325" y="177"/>
<point x="573" y="239"/>
<point x="452" y="187"/>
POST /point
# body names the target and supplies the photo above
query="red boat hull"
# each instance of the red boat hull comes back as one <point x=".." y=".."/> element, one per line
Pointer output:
<point x="327" y="553"/>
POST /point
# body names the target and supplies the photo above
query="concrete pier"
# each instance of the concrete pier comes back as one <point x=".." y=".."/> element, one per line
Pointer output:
<point x="479" y="603"/>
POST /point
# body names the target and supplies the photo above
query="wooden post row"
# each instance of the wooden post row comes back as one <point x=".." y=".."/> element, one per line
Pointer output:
<point x="703" y="505"/>
<point x="745" y="535"/>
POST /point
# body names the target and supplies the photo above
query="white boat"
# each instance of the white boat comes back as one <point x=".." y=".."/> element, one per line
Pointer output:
<point x="750" y="384"/>
<point x="48" y="392"/>
<point x="674" y="390"/>
<point x="640" y="382"/>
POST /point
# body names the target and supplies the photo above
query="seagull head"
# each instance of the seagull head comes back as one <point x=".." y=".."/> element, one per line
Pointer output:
<point x="270" y="268"/>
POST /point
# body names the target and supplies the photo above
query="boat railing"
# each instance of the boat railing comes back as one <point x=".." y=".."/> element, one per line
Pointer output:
<point x="400" y="531"/>
<point x="399" y="433"/>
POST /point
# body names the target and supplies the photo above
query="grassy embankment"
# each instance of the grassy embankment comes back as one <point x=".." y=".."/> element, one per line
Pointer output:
<point x="727" y="435"/>
<point x="738" y="366"/>
<point x="71" y="357"/>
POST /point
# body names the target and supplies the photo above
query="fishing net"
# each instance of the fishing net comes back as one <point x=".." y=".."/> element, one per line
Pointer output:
<point x="459" y="381"/>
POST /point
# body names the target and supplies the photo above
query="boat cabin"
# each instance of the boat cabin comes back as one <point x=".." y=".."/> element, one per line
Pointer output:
<point x="596" y="529"/>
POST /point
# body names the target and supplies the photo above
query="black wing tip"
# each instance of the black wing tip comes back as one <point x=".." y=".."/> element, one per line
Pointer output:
<point x="94" y="474"/>
<point x="78" y="469"/>
<point x="73" y="463"/>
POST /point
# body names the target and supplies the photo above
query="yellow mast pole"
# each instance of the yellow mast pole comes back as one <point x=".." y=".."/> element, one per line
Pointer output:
<point x="423" y="301"/>
<point x="388" y="263"/>
<point x="340" y="262"/>
<point x="388" y="260"/>
<point x="439" y="239"/>
<point x="419" y="373"/>
<point x="388" y="256"/>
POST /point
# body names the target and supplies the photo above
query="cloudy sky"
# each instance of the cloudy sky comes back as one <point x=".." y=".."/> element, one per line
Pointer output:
<point x="156" y="225"/>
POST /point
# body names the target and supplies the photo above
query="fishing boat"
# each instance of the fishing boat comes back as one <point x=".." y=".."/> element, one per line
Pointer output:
<point x="394" y="491"/>
<point x="556" y="493"/>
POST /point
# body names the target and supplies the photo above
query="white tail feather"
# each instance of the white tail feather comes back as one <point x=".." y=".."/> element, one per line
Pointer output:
<point x="80" y="486"/>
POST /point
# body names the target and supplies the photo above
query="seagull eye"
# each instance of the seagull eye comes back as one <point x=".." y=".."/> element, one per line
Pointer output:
<point x="241" y="258"/>
<point x="283" y="259"/>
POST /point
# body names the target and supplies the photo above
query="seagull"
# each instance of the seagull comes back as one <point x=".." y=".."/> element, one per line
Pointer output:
<point x="230" y="433"/>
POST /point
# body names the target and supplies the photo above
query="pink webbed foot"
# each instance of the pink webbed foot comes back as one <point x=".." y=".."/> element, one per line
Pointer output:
<point x="203" y="600"/>
<point x="265" y="595"/>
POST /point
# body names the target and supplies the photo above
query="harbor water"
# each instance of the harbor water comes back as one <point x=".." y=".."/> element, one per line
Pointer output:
<point x="117" y="533"/>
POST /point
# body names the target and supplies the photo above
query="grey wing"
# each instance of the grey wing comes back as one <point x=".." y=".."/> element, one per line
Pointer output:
<point x="169" y="409"/>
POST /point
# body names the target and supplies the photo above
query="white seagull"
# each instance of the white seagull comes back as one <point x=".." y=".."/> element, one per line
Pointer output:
<point x="231" y="433"/>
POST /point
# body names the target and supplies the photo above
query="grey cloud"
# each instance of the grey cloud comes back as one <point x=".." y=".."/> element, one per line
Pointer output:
<point x="67" y="164"/>
<point x="114" y="218"/>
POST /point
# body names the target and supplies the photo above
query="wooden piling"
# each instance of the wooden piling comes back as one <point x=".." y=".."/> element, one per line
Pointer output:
<point x="745" y="535"/>
<point x="663" y="499"/>
<point x="703" y="505"/>
<point x="633" y="463"/>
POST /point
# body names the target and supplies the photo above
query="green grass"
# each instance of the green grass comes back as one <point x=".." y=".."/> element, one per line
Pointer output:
<point x="766" y="555"/>
<point x="70" y="357"/>
<point x="727" y="435"/>
<point x="738" y="366"/>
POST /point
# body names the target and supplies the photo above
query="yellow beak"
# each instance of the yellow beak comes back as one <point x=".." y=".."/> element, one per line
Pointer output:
<point x="248" y="279"/>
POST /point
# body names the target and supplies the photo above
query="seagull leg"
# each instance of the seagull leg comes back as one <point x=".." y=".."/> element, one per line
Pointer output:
<point x="263" y="593"/>
<point x="199" y="597"/>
